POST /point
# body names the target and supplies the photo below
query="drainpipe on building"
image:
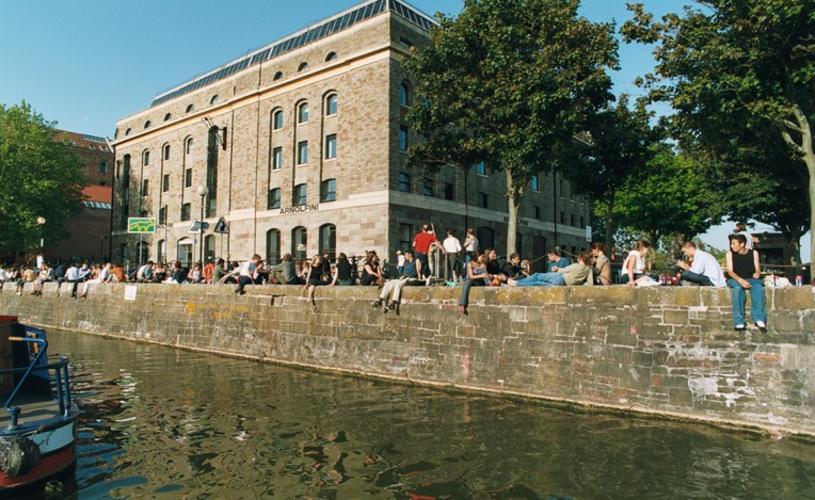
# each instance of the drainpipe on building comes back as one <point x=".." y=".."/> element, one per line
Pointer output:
<point x="112" y="149"/>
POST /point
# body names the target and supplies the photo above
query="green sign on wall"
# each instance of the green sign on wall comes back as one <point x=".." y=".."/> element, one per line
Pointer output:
<point x="141" y="225"/>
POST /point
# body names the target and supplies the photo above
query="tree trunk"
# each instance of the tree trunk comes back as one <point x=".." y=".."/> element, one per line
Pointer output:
<point x="609" y="224"/>
<point x="807" y="151"/>
<point x="513" y="202"/>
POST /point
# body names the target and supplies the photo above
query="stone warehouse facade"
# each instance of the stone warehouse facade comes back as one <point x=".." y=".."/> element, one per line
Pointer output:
<point x="300" y="147"/>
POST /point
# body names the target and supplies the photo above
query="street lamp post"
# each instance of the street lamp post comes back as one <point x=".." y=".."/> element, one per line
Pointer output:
<point x="41" y="258"/>
<point x="202" y="192"/>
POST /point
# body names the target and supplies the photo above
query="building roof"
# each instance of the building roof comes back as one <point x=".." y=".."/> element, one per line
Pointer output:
<point x="100" y="194"/>
<point x="78" y="140"/>
<point x="312" y="33"/>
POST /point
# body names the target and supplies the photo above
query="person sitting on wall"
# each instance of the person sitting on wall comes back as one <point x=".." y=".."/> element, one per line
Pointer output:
<point x="160" y="272"/>
<point x="26" y="275"/>
<point x="578" y="273"/>
<point x="704" y="270"/>
<point x="285" y="272"/>
<point x="602" y="266"/>
<point x="634" y="265"/>
<point x="342" y="272"/>
<point x="145" y="272"/>
<point x="494" y="268"/>
<point x="512" y="269"/>
<point x="556" y="260"/>
<point x="477" y="275"/>
<point x="218" y="271"/>
<point x="744" y="271"/>
<point x="41" y="278"/>
<point x="372" y="271"/>
<point x="314" y="277"/>
<point x="245" y="274"/>
<point x="392" y="289"/>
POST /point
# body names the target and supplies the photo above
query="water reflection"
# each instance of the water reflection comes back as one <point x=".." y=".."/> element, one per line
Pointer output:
<point x="164" y="423"/>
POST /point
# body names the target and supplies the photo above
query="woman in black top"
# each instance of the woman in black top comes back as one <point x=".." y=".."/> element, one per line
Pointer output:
<point x="372" y="272"/>
<point x="342" y="271"/>
<point x="314" y="277"/>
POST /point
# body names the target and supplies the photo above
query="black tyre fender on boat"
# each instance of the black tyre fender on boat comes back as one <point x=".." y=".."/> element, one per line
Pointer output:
<point x="18" y="455"/>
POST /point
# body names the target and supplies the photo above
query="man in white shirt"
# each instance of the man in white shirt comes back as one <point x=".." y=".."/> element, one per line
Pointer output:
<point x="704" y="270"/>
<point x="246" y="273"/>
<point x="452" y="250"/>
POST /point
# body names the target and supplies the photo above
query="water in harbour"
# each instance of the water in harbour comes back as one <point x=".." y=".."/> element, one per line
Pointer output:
<point x="163" y="423"/>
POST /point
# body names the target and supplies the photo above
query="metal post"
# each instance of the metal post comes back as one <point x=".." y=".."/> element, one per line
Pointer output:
<point x="201" y="234"/>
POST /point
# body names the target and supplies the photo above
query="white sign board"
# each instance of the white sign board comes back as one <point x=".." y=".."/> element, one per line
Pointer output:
<point x="130" y="293"/>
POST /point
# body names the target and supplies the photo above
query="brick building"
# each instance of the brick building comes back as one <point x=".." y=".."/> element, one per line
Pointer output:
<point x="300" y="146"/>
<point x="90" y="229"/>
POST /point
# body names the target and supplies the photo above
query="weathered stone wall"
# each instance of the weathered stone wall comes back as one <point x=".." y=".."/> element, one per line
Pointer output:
<point x="666" y="351"/>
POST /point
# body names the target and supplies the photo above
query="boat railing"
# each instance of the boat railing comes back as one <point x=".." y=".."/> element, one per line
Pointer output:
<point x="61" y="381"/>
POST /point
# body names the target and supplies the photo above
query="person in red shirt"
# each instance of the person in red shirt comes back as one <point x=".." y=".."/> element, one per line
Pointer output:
<point x="421" y="245"/>
<point x="208" y="269"/>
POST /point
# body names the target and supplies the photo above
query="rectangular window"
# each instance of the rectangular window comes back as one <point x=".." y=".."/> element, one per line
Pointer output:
<point x="403" y="138"/>
<point x="302" y="152"/>
<point x="328" y="190"/>
<point x="300" y="195"/>
<point x="188" y="177"/>
<point x="145" y="187"/>
<point x="427" y="187"/>
<point x="481" y="169"/>
<point x="331" y="146"/>
<point x="483" y="202"/>
<point x="535" y="184"/>
<point x="273" y="199"/>
<point x="449" y="193"/>
<point x="185" y="212"/>
<point x="404" y="182"/>
<point x="277" y="158"/>
<point x="162" y="215"/>
<point x="165" y="183"/>
<point x="562" y="218"/>
<point x="571" y="220"/>
<point x="536" y="212"/>
<point x="405" y="236"/>
<point x="582" y="222"/>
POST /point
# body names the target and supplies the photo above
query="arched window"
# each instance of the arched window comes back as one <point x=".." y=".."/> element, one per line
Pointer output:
<point x="214" y="99"/>
<point x="127" y="132"/>
<point x="300" y="196"/>
<point x="209" y="247"/>
<point x="328" y="190"/>
<point x="103" y="167"/>
<point x="188" y="146"/>
<point x="331" y="104"/>
<point x="299" y="242"/>
<point x="145" y="158"/>
<point x="116" y="133"/>
<point x="272" y="246"/>
<point x="277" y="120"/>
<point x="302" y="113"/>
<point x="161" y="251"/>
<point x="190" y="108"/>
<point x="328" y="240"/>
<point x="486" y="237"/>
<point x="331" y="56"/>
<point x="278" y="75"/>
<point x="184" y="252"/>
<point x="303" y="66"/>
<point x="167" y="116"/>
<point x="147" y="124"/>
<point x="166" y="152"/>
<point x="404" y="94"/>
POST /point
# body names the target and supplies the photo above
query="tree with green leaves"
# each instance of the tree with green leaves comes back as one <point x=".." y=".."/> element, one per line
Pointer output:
<point x="671" y="196"/>
<point x="622" y="144"/>
<point x="511" y="83"/>
<point x="39" y="177"/>
<point x="730" y="65"/>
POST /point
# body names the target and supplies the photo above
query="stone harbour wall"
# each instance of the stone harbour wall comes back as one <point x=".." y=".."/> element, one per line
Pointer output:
<point x="666" y="351"/>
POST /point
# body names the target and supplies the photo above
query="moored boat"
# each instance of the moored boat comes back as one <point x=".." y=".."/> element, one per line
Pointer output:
<point x="38" y="421"/>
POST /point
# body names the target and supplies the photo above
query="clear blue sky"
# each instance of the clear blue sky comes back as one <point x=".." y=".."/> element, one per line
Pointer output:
<point x="87" y="63"/>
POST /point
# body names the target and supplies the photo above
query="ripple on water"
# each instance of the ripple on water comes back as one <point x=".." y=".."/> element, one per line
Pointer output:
<point x="163" y="423"/>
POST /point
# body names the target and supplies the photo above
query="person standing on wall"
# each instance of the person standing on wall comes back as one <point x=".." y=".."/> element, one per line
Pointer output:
<point x="744" y="272"/>
<point x="452" y="251"/>
<point x="470" y="246"/>
<point x="421" y="245"/>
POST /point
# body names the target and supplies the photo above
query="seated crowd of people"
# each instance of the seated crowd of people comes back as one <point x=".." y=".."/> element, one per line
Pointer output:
<point x="461" y="264"/>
